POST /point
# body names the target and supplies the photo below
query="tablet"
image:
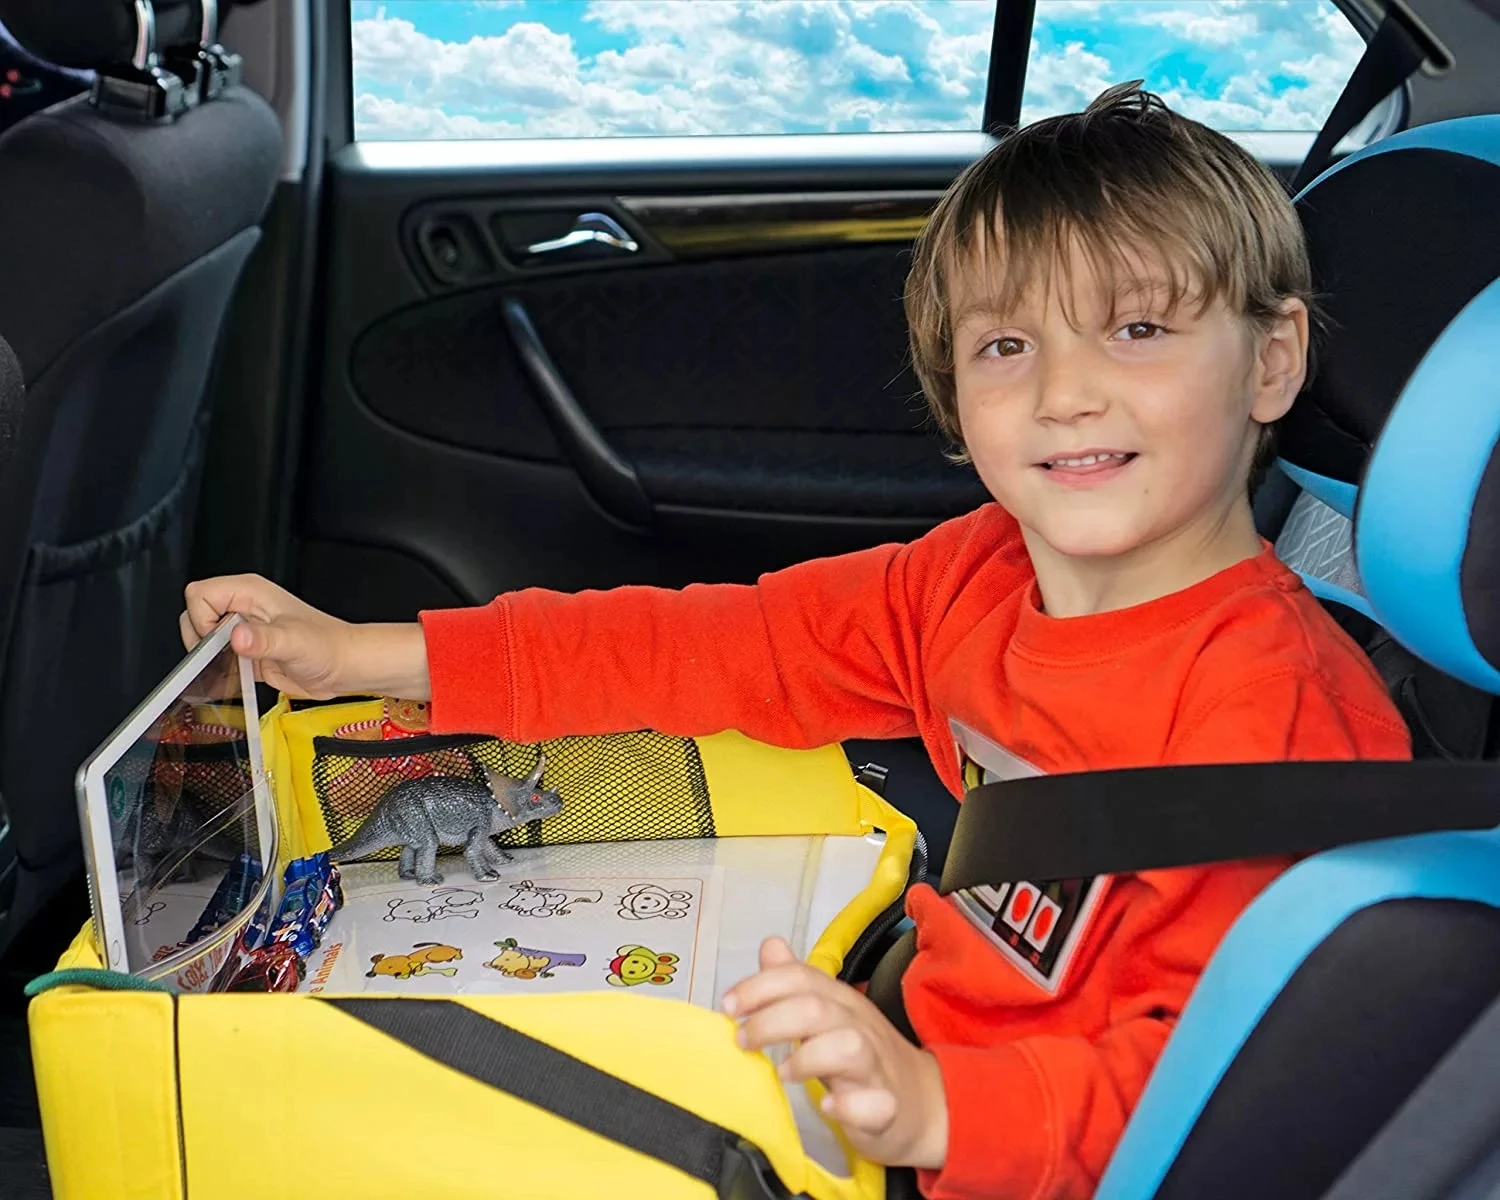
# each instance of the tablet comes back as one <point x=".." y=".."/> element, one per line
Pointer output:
<point x="179" y="828"/>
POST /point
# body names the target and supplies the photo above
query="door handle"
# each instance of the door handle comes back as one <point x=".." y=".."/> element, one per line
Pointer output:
<point x="591" y="228"/>
<point x="606" y="476"/>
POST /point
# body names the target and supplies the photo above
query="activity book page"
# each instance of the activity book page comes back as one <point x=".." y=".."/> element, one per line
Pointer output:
<point x="681" y="919"/>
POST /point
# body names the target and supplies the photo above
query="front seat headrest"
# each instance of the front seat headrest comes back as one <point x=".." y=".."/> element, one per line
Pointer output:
<point x="1400" y="428"/>
<point x="90" y="34"/>
<point x="1402" y="236"/>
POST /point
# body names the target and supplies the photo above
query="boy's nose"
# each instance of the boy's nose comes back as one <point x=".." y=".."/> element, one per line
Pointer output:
<point x="1068" y="390"/>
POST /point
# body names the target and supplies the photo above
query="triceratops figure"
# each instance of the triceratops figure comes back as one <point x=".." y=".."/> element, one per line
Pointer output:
<point x="420" y="815"/>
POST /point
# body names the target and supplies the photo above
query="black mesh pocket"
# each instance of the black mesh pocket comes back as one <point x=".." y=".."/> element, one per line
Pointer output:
<point x="630" y="786"/>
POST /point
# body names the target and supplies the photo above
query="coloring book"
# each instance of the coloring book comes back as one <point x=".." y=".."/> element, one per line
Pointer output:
<point x="561" y="933"/>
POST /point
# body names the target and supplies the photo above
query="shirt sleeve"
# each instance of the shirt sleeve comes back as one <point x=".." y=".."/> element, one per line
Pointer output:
<point x="1040" y="1116"/>
<point x="813" y="654"/>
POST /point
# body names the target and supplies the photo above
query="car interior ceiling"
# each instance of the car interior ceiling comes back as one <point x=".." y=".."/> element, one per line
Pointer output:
<point x="380" y="355"/>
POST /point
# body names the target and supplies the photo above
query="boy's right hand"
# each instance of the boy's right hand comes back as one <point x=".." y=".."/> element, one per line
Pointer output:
<point x="303" y="652"/>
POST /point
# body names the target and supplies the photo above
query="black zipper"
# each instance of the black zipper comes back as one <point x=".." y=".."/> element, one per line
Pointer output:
<point x="421" y="743"/>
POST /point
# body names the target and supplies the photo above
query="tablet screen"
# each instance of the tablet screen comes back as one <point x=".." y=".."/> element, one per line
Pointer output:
<point x="183" y="817"/>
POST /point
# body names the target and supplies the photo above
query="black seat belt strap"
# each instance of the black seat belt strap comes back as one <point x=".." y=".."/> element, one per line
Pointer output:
<point x="1400" y="46"/>
<point x="521" y="1066"/>
<point x="1092" y="823"/>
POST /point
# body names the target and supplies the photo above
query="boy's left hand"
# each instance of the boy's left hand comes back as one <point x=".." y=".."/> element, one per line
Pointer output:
<point x="886" y="1093"/>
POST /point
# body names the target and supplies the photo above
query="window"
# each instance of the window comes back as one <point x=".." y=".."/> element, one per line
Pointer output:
<point x="443" y="69"/>
<point x="1237" y="66"/>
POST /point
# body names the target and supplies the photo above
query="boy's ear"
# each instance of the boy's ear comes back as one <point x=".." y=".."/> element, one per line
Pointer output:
<point x="1281" y="364"/>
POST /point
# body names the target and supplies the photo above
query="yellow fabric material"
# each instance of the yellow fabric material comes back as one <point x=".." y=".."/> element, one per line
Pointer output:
<point x="105" y="1082"/>
<point x="271" y="1084"/>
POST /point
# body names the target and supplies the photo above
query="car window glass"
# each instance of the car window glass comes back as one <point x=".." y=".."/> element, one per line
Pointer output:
<point x="445" y="69"/>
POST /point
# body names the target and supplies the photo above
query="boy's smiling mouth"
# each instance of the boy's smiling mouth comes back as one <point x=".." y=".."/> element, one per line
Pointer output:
<point x="1087" y="466"/>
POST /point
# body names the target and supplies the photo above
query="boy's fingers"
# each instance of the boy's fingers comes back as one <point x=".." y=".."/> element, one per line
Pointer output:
<point x="793" y="1019"/>
<point x="281" y="642"/>
<point x="775" y="952"/>
<point x="867" y="1110"/>
<point x="777" y="983"/>
<point x="843" y="1053"/>
<point x="209" y="599"/>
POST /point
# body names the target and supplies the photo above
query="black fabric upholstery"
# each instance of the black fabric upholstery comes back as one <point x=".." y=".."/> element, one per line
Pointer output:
<point x="1447" y="719"/>
<point x="803" y="342"/>
<point x="854" y="474"/>
<point x="1399" y="242"/>
<point x="1363" y="1020"/>
<point x="1446" y="1129"/>
<point x="94" y="33"/>
<point x="777" y="383"/>
<point x="94" y="213"/>
<point x="102" y="567"/>
<point x="124" y="243"/>
<point x="1479" y="573"/>
<point x="12" y="399"/>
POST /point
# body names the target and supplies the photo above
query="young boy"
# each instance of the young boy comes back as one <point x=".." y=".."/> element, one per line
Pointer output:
<point x="1108" y="312"/>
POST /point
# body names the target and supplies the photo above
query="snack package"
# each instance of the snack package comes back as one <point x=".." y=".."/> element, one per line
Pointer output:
<point x="275" y="968"/>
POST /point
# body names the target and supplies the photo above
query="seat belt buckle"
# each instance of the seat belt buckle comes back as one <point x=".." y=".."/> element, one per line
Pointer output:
<point x="747" y="1174"/>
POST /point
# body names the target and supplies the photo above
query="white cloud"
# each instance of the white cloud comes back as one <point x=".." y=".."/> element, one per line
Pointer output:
<point x="748" y="66"/>
<point x="871" y="64"/>
<point x="1063" y="81"/>
<point x="1205" y="28"/>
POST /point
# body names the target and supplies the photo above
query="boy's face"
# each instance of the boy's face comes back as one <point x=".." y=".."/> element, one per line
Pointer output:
<point x="1116" y="431"/>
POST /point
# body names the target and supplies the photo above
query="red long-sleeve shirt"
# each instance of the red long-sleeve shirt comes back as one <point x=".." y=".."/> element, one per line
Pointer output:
<point x="1046" y="1005"/>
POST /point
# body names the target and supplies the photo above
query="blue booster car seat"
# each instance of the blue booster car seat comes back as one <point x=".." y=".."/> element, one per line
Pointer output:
<point x="1343" y="985"/>
<point x="1359" y="969"/>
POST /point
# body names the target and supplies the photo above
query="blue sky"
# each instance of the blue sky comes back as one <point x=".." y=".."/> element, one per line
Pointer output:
<point x="592" y="68"/>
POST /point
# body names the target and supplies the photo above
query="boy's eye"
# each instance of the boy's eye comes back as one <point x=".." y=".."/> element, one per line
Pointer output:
<point x="1140" y="331"/>
<point x="1004" y="347"/>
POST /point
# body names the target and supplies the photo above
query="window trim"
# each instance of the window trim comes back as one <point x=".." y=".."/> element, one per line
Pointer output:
<point x="1010" y="53"/>
<point x="1001" y="110"/>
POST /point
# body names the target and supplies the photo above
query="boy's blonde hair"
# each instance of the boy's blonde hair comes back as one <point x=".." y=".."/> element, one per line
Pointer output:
<point x="1128" y="182"/>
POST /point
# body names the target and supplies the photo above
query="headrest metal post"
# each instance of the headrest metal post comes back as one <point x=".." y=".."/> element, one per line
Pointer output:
<point x="207" y="68"/>
<point x="140" y="90"/>
<point x="144" y="57"/>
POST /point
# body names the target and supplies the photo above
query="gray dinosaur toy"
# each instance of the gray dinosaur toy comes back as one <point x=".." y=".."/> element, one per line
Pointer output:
<point x="421" y="815"/>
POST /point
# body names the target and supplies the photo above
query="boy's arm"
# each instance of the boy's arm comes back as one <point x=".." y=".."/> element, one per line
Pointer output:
<point x="1042" y="1115"/>
<point x="818" y="652"/>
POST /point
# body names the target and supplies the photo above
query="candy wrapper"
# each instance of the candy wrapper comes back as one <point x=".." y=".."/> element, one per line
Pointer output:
<point x="275" y="968"/>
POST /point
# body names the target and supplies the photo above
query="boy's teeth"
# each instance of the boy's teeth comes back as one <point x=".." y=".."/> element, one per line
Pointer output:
<point x="1088" y="460"/>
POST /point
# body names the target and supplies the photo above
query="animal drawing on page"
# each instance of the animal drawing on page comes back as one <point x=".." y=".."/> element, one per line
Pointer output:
<point x="634" y="965"/>
<point x="643" y="901"/>
<point x="443" y="903"/>
<point x="421" y="961"/>
<point x="149" y="911"/>
<point x="519" y="962"/>
<point x="529" y="900"/>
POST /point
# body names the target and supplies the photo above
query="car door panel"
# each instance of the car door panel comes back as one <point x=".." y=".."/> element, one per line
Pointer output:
<point x="730" y="397"/>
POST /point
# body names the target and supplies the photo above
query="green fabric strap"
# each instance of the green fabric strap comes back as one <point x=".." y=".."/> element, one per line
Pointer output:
<point x="112" y="981"/>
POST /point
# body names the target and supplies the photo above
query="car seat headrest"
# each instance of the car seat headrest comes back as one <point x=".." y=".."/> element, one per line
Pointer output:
<point x="1400" y="428"/>
<point x="1427" y="524"/>
<point x="1402" y="237"/>
<point x="91" y="34"/>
